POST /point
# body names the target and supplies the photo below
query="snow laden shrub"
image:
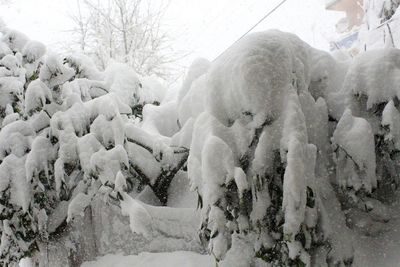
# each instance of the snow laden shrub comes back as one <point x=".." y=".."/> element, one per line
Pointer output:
<point x="258" y="155"/>
<point x="68" y="133"/>
<point x="367" y="133"/>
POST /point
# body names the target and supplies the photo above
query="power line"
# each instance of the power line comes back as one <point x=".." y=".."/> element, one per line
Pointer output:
<point x="252" y="28"/>
<point x="243" y="35"/>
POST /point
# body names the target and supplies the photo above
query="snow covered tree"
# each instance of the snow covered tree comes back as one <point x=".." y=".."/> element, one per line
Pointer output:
<point x="125" y="31"/>
<point x="258" y="155"/>
<point x="69" y="133"/>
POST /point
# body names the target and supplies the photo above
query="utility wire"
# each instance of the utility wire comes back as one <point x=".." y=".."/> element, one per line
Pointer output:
<point x="243" y="35"/>
<point x="252" y="28"/>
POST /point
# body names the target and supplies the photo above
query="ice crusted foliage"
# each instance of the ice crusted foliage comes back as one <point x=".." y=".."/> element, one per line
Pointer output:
<point x="70" y="133"/>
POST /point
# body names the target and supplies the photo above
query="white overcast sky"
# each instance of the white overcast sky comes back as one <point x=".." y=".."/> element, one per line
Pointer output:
<point x="205" y="27"/>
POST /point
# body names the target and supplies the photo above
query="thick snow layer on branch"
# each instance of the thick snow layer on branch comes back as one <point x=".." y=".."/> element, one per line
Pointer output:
<point x="240" y="180"/>
<point x="183" y="138"/>
<point x="160" y="120"/>
<point x="120" y="183"/>
<point x="87" y="146"/>
<point x="68" y="147"/>
<point x="107" y="163"/>
<point x="151" y="90"/>
<point x="263" y="162"/>
<point x="4" y="49"/>
<point x="354" y="136"/>
<point x="75" y="91"/>
<point x="391" y="118"/>
<point x="12" y="176"/>
<point x="123" y="81"/>
<point x="217" y="167"/>
<point x="143" y="159"/>
<point x="294" y="125"/>
<point x="10" y="118"/>
<point x="316" y="121"/>
<point x="54" y="73"/>
<point x="152" y="142"/>
<point x="10" y="65"/>
<point x="294" y="187"/>
<point x="108" y="132"/>
<point x="194" y="101"/>
<point x="36" y="96"/>
<point x="199" y="67"/>
<point x="84" y="67"/>
<point x="15" y="40"/>
<point x="39" y="158"/>
<point x="82" y="89"/>
<point x="74" y="120"/>
<point x="11" y="90"/>
<point x="252" y="76"/>
<point x="39" y="121"/>
<point x="32" y="51"/>
<point x="375" y="74"/>
<point x="299" y="173"/>
<point x="109" y="105"/>
<point x="205" y="126"/>
<point x="326" y="74"/>
<point x="23" y="129"/>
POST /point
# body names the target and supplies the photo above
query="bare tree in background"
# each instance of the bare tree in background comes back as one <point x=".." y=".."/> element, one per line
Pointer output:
<point x="125" y="31"/>
<point x="5" y="2"/>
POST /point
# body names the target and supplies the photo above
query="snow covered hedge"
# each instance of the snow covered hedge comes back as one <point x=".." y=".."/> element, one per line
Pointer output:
<point x="70" y="132"/>
<point x="254" y="152"/>
<point x="288" y="144"/>
<point x="281" y="142"/>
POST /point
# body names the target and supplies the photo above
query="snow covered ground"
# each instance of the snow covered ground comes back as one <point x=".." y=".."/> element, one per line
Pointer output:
<point x="381" y="249"/>
<point x="173" y="259"/>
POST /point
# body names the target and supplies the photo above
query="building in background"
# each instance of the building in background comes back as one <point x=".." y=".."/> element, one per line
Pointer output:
<point x="353" y="9"/>
<point x="368" y="24"/>
<point x="348" y="27"/>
